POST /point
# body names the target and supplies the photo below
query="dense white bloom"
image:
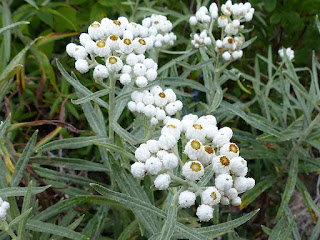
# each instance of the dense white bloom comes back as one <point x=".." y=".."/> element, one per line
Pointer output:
<point x="125" y="78"/>
<point x="100" y="71"/>
<point x="153" y="165"/>
<point x="192" y="170"/>
<point x="196" y="131"/>
<point x="226" y="56"/>
<point x="96" y="31"/>
<point x="169" y="160"/>
<point x="84" y="39"/>
<point x="142" y="153"/>
<point x="162" y="181"/>
<point x="171" y="129"/>
<point x="153" y="146"/>
<point x="186" y="199"/>
<point x="4" y="206"/>
<point x="243" y="184"/>
<point x="230" y="150"/>
<point x="211" y="196"/>
<point x="207" y="155"/>
<point x="194" y="149"/>
<point x="82" y="65"/>
<point x="102" y="49"/>
<point x="193" y="21"/>
<point x="138" y="170"/>
<point x="289" y="52"/>
<point x="223" y="182"/>
<point x="221" y="164"/>
<point x="114" y="64"/>
<point x="222" y="21"/>
<point x="167" y="141"/>
<point x="204" y="212"/>
<point x="149" y="111"/>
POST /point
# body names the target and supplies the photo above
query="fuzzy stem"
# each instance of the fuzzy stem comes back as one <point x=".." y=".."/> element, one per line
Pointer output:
<point x="111" y="107"/>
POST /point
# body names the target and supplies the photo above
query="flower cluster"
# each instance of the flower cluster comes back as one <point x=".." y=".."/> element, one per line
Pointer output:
<point x="159" y="28"/>
<point x="119" y="47"/>
<point x="230" y="21"/>
<point x="4" y="206"/>
<point x="207" y="148"/>
<point x="289" y="52"/>
<point x="155" y="104"/>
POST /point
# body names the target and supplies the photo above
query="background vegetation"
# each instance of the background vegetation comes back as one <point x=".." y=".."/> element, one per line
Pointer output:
<point x="272" y="106"/>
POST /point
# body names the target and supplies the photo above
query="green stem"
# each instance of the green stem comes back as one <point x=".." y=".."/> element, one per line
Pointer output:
<point x="134" y="10"/>
<point x="111" y="107"/>
<point x="5" y="227"/>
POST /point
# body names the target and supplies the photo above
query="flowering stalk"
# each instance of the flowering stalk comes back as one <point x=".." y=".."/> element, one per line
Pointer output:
<point x="112" y="83"/>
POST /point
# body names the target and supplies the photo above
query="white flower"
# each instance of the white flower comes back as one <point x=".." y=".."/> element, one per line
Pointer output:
<point x="213" y="9"/>
<point x="102" y="49"/>
<point x="187" y="121"/>
<point x="192" y="170"/>
<point x="70" y="49"/>
<point x="132" y="106"/>
<point x="141" y="81"/>
<point x="90" y="47"/>
<point x="84" y="38"/>
<point x="167" y="141"/>
<point x="196" y="131"/>
<point x="114" y="64"/>
<point x="186" y="199"/>
<point x="140" y="45"/>
<point x="160" y="99"/>
<point x="222" y="21"/>
<point x="230" y="150"/>
<point x="239" y="166"/>
<point x="132" y="59"/>
<point x="139" y="69"/>
<point x="142" y="153"/>
<point x="223" y="182"/>
<point x="140" y="107"/>
<point x="151" y="74"/>
<point x="162" y="182"/>
<point x="224" y="200"/>
<point x="153" y="146"/>
<point x="248" y="17"/>
<point x="221" y="164"/>
<point x="125" y="78"/>
<point x="289" y="52"/>
<point x="171" y="129"/>
<point x="161" y="114"/>
<point x="243" y="184"/>
<point x="211" y="131"/>
<point x="226" y="131"/>
<point x="149" y="111"/>
<point x="193" y="149"/>
<point x="4" y="206"/>
<point x="100" y="71"/>
<point x="154" y="121"/>
<point x="138" y="170"/>
<point x="156" y="90"/>
<point x="96" y="31"/>
<point x="127" y="34"/>
<point x="126" y="69"/>
<point x="79" y="52"/>
<point x="211" y="196"/>
<point x="226" y="56"/>
<point x="193" y="21"/>
<point x="137" y="96"/>
<point x="113" y="42"/>
<point x="161" y="154"/>
<point x="229" y="43"/>
<point x="236" y="201"/>
<point x="237" y="54"/>
<point x="206" y="19"/>
<point x="225" y="8"/>
<point x="230" y="29"/>
<point x="147" y="98"/>
<point x="169" y="160"/>
<point x="173" y="107"/>
<point x="207" y="155"/>
<point x="204" y="212"/>
<point x="126" y="46"/>
<point x="153" y="165"/>
<point x="82" y="65"/>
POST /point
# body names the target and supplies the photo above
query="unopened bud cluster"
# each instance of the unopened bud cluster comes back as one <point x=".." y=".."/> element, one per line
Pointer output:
<point x="4" y="206"/>
<point x="289" y="52"/>
<point x="230" y="22"/>
<point x="119" y="47"/>
<point x="155" y="104"/>
<point x="207" y="148"/>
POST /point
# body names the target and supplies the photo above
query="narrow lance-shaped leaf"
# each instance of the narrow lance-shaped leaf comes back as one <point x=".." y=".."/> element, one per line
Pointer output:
<point x="23" y="160"/>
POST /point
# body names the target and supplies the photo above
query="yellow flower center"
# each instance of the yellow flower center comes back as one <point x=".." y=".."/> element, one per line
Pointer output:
<point x="209" y="149"/>
<point x="95" y="25"/>
<point x="113" y="60"/>
<point x="114" y="37"/>
<point x="230" y="40"/>
<point x="142" y="42"/>
<point x="127" y="41"/>
<point x="101" y="44"/>
<point x="195" y="144"/>
<point x="213" y="195"/>
<point x="197" y="126"/>
<point x="234" y="148"/>
<point x="171" y="126"/>
<point x="117" y="22"/>
<point x="156" y="22"/>
<point x="195" y="167"/>
<point x="162" y="95"/>
<point x="225" y="161"/>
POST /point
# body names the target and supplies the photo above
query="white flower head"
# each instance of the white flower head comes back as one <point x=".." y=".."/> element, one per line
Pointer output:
<point x="162" y="181"/>
<point x="204" y="212"/>
<point x="211" y="196"/>
<point x="170" y="161"/>
<point x="82" y="65"/>
<point x="102" y="49"/>
<point x="171" y="129"/>
<point x="142" y="153"/>
<point x="138" y="170"/>
<point x="153" y="165"/>
<point x="230" y="150"/>
<point x="221" y="164"/>
<point x="167" y="141"/>
<point x="113" y="42"/>
<point x="223" y="182"/>
<point x="100" y="71"/>
<point x="126" y="46"/>
<point x="96" y="31"/>
<point x="196" y="131"/>
<point x="207" y="155"/>
<point x="186" y="199"/>
<point x="193" y="170"/>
